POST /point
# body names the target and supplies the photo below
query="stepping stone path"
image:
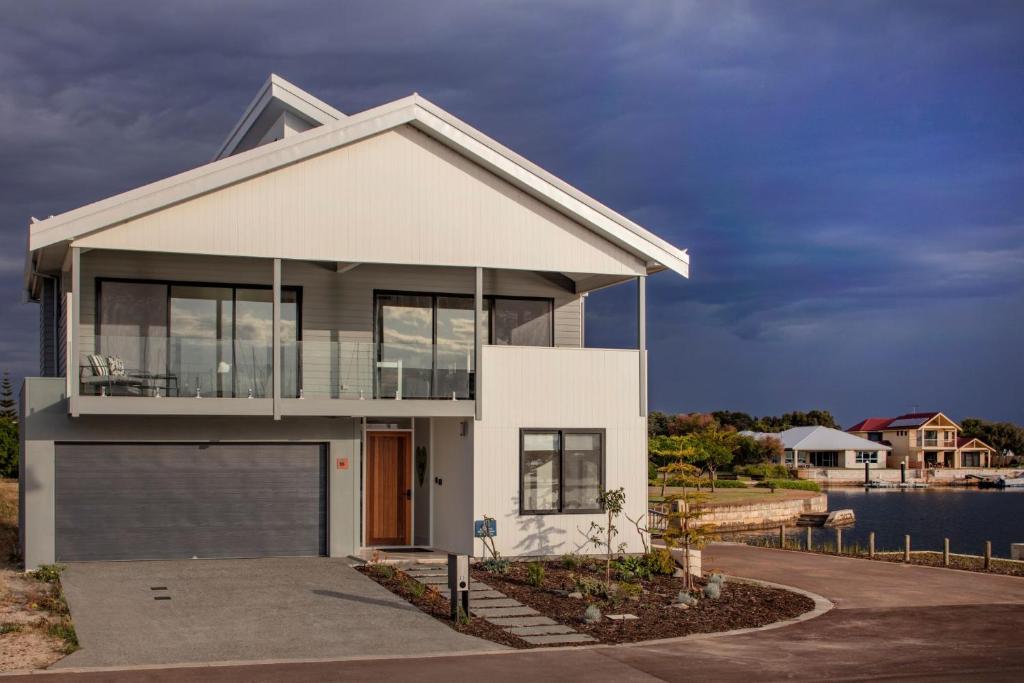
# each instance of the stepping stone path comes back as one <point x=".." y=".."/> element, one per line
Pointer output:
<point x="501" y="610"/>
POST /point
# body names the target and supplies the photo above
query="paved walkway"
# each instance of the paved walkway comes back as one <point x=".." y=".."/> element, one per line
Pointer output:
<point x="501" y="610"/>
<point x="892" y="622"/>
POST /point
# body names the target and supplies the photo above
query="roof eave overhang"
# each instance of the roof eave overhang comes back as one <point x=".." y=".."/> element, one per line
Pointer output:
<point x="656" y="253"/>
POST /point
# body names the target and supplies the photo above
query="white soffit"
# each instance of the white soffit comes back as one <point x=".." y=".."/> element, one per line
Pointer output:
<point x="413" y="110"/>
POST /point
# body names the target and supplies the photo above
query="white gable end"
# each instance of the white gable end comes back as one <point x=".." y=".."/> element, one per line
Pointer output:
<point x="396" y="197"/>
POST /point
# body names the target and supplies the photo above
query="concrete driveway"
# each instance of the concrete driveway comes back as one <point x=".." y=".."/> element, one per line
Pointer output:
<point x="235" y="610"/>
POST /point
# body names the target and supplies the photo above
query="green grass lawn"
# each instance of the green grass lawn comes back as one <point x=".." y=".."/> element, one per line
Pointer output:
<point x="732" y="496"/>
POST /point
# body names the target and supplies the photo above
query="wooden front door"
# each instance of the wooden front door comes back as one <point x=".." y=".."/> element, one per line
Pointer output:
<point x="388" y="488"/>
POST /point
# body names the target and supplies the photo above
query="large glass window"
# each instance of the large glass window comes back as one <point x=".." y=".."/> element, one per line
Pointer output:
<point x="426" y="341"/>
<point x="561" y="471"/>
<point x="205" y="340"/>
<point x="521" y="322"/>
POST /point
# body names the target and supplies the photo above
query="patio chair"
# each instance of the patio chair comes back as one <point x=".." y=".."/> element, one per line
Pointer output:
<point x="108" y="372"/>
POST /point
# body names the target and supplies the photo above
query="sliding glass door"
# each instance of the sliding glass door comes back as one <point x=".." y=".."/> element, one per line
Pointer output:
<point x="207" y="340"/>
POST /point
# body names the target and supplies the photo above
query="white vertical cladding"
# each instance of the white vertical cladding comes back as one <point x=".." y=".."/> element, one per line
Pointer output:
<point x="454" y="472"/>
<point x="75" y="356"/>
<point x="530" y="387"/>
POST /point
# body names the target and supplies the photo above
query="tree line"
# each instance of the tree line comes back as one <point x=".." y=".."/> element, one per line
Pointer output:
<point x="663" y="424"/>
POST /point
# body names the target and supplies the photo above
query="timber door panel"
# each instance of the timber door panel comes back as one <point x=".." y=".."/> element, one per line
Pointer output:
<point x="388" y="488"/>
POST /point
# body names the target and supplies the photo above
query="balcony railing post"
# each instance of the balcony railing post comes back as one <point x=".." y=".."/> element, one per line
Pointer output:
<point x="641" y="321"/>
<point x="275" y="360"/>
<point x="478" y="341"/>
<point x="74" y="317"/>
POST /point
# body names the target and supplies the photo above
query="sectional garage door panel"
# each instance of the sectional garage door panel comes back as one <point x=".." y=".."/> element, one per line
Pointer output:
<point x="168" y="501"/>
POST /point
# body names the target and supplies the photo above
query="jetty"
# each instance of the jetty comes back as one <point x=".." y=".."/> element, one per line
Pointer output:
<point x="999" y="481"/>
<point x="880" y="484"/>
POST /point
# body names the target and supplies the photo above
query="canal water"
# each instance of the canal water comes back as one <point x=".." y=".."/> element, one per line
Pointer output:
<point x="968" y="517"/>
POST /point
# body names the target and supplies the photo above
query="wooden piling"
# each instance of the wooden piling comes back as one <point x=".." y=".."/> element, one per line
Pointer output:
<point x="945" y="552"/>
<point x="809" y="537"/>
<point x="839" y="540"/>
<point x="782" y="536"/>
<point x="906" y="548"/>
<point x="871" y="544"/>
<point x="988" y="554"/>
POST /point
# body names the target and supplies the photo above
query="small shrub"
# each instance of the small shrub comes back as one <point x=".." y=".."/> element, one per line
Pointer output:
<point x="629" y="591"/>
<point x="64" y="630"/>
<point x="717" y="578"/>
<point x="535" y="574"/>
<point x="48" y="573"/>
<point x="496" y="565"/>
<point x="415" y="588"/>
<point x="713" y="591"/>
<point x="384" y="571"/>
<point x="798" y="484"/>
<point x="729" y="484"/>
<point x="632" y="568"/>
<point x="592" y="615"/>
<point x="572" y="561"/>
<point x="660" y="561"/>
<point x="588" y="586"/>
<point x="685" y="598"/>
<point x="763" y="471"/>
<point x="9" y="628"/>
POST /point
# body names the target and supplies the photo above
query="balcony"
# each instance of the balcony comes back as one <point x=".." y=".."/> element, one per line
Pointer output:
<point x="237" y="377"/>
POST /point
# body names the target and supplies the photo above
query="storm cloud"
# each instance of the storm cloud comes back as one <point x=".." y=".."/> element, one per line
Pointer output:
<point x="847" y="176"/>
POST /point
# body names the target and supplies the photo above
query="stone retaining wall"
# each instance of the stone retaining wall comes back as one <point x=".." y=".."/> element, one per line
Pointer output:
<point x="761" y="515"/>
<point x="938" y="476"/>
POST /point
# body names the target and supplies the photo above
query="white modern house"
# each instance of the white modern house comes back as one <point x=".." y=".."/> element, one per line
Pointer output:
<point x="345" y="332"/>
<point x="826" y="447"/>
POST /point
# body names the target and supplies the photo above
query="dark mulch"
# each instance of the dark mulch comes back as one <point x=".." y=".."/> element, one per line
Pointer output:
<point x="439" y="607"/>
<point x="740" y="605"/>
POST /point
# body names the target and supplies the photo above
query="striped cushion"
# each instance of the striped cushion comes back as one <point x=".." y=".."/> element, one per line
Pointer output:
<point x="99" y="365"/>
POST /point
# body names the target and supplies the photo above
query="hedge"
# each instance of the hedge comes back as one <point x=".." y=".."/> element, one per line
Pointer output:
<point x="799" y="484"/>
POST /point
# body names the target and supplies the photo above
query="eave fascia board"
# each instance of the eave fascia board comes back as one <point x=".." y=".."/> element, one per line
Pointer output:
<point x="290" y="94"/>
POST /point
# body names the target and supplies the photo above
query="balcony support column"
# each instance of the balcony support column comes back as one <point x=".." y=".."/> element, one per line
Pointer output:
<point x="478" y="342"/>
<point x="74" y="357"/>
<point x="275" y="360"/>
<point x="641" y="336"/>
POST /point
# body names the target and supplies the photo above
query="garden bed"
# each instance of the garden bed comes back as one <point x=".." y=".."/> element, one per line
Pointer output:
<point x="651" y="598"/>
<point x="741" y="605"/>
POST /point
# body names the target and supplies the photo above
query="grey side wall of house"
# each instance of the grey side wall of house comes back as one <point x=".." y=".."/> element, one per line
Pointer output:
<point x="45" y="422"/>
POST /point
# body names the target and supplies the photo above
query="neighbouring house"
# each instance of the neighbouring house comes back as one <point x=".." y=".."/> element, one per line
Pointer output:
<point x="826" y="447"/>
<point x="925" y="440"/>
<point x="345" y="332"/>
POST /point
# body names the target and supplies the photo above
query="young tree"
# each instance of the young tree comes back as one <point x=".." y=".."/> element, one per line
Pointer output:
<point x="684" y="529"/>
<point x="671" y="454"/>
<point x="657" y="424"/>
<point x="712" y="449"/>
<point x="612" y="502"/>
<point x="8" y="407"/>
<point x="8" y="448"/>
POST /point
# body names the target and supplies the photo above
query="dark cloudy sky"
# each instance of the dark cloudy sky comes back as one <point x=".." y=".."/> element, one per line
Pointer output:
<point x="848" y="176"/>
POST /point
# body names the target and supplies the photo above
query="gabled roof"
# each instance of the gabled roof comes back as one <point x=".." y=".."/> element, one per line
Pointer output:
<point x="962" y="441"/>
<point x="905" y="421"/>
<point x="821" y="439"/>
<point x="414" y="111"/>
<point x="273" y="99"/>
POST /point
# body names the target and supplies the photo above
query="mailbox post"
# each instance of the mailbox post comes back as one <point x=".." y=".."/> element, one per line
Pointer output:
<point x="458" y="583"/>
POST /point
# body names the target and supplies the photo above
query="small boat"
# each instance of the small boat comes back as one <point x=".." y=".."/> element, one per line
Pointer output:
<point x="1001" y="481"/>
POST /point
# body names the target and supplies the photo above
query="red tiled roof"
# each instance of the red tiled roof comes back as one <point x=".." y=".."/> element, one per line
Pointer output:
<point x="878" y="424"/>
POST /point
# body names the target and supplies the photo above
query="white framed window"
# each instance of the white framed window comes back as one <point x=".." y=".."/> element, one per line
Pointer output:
<point x="867" y="457"/>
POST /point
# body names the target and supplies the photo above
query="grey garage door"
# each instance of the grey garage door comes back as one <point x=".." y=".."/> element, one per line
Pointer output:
<point x="167" y="501"/>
